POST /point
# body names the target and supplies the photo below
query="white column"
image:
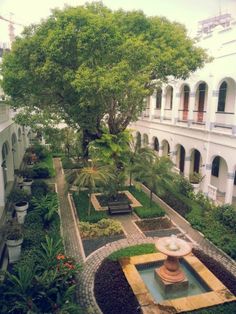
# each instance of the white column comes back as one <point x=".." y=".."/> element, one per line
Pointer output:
<point x="191" y="106"/>
<point x="207" y="178"/>
<point x="229" y="187"/>
<point x="234" y="121"/>
<point x="175" y="108"/>
<point x="152" y="106"/>
<point x="163" y="103"/>
<point x="187" y="162"/>
<point x="212" y="103"/>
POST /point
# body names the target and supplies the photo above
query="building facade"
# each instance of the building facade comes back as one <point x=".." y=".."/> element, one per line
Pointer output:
<point x="14" y="140"/>
<point x="194" y="120"/>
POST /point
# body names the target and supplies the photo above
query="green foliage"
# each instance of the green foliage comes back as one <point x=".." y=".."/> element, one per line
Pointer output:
<point x="91" y="64"/>
<point x="81" y="203"/>
<point x="226" y="308"/>
<point x="67" y="163"/>
<point x="146" y="211"/>
<point x="139" y="249"/>
<point x="40" y="172"/>
<point x="157" y="170"/>
<point x="204" y="201"/>
<point x="104" y="227"/>
<point x="227" y="215"/>
<point x="47" y="206"/>
<point x="13" y="230"/>
<point x="17" y="195"/>
<point x="39" y="188"/>
<point x="183" y="185"/>
<point x="195" y="178"/>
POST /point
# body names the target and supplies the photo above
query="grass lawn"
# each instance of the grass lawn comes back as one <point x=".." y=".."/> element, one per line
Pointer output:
<point x="134" y="250"/>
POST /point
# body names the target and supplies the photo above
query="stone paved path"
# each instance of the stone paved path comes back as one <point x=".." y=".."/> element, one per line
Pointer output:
<point x="69" y="227"/>
<point x="73" y="247"/>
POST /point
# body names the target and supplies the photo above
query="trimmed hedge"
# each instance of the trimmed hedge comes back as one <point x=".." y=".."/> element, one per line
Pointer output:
<point x="146" y="211"/>
<point x="139" y="249"/>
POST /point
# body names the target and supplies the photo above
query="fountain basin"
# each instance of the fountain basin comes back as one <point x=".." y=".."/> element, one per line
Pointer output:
<point x="217" y="293"/>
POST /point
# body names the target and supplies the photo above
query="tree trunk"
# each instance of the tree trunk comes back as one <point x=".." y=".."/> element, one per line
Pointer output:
<point x="90" y="203"/>
<point x="86" y="139"/>
<point x="130" y="178"/>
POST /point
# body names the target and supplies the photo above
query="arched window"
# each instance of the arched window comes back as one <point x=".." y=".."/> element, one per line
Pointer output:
<point x="158" y="98"/>
<point x="215" y="166"/>
<point x="156" y="145"/>
<point x="222" y="97"/>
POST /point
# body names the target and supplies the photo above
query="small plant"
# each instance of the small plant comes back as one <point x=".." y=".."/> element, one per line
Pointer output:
<point x="18" y="195"/>
<point x="196" y="178"/>
<point x="13" y="230"/>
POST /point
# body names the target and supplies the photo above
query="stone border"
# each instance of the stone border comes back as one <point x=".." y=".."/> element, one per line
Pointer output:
<point x="219" y="294"/>
<point x="98" y="207"/>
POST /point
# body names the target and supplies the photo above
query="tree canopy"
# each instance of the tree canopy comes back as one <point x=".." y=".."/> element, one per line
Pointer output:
<point x="88" y="65"/>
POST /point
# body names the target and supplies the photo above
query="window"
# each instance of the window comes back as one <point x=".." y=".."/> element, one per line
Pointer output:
<point x="158" y="98"/>
<point x="235" y="178"/>
<point x="156" y="145"/>
<point x="222" y="97"/>
<point x="215" y="167"/>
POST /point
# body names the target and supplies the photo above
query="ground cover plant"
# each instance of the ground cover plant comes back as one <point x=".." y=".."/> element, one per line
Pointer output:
<point x="104" y="227"/>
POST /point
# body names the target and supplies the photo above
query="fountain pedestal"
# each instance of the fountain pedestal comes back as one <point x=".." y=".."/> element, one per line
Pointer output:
<point x="170" y="275"/>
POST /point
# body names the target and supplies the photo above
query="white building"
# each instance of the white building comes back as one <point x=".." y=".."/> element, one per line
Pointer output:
<point x="13" y="142"/>
<point x="194" y="121"/>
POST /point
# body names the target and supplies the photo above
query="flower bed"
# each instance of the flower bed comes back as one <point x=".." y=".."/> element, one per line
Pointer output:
<point x="155" y="224"/>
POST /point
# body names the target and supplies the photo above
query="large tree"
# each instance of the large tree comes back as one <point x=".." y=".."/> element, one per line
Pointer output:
<point x="88" y="65"/>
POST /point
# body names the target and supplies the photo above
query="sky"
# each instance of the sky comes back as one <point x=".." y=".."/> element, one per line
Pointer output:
<point x="188" y="12"/>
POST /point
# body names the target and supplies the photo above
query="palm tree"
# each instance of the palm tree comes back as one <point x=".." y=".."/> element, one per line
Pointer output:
<point x="138" y="155"/>
<point x="90" y="176"/>
<point x="153" y="172"/>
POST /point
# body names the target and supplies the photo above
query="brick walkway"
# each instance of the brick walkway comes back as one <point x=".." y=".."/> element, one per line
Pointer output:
<point x="73" y="247"/>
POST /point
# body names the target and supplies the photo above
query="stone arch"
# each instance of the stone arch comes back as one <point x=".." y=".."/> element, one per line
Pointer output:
<point x="5" y="161"/>
<point x="155" y="144"/>
<point x="180" y="157"/>
<point x="145" y="140"/>
<point x="184" y="102"/>
<point x="219" y="173"/>
<point x="138" y="140"/>
<point x="165" y="148"/>
<point x="195" y="161"/>
<point x="14" y="148"/>
<point x="201" y="94"/>
<point x="169" y="91"/>
<point x="230" y="95"/>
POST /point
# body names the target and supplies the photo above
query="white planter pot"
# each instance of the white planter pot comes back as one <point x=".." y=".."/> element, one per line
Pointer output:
<point x="27" y="185"/>
<point x="196" y="187"/>
<point x="14" y="249"/>
<point x="21" y="211"/>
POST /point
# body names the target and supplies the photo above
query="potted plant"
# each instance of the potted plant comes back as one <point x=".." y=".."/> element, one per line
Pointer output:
<point x="20" y="199"/>
<point x="195" y="179"/>
<point x="14" y="239"/>
<point x="27" y="175"/>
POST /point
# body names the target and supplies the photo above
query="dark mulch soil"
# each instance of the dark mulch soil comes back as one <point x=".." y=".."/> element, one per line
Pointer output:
<point x="217" y="269"/>
<point x="91" y="245"/>
<point x="104" y="200"/>
<point x="112" y="291"/>
<point x="154" y="224"/>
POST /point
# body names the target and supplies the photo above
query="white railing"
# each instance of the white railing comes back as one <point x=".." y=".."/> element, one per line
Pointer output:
<point x="224" y="118"/>
<point x="212" y="191"/>
<point x="167" y="114"/>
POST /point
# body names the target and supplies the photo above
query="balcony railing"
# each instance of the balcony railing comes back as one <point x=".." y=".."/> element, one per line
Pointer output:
<point x="167" y="114"/>
<point x="224" y="118"/>
<point x="183" y="115"/>
<point x="157" y="114"/>
<point x="199" y="116"/>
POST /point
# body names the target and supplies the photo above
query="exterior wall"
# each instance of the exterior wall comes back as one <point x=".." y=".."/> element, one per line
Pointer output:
<point x="210" y="132"/>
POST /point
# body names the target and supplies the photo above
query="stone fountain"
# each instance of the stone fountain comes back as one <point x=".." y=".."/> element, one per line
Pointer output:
<point x="170" y="275"/>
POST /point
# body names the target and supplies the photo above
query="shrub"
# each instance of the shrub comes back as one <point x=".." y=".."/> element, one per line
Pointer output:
<point x="205" y="202"/>
<point x="196" y="178"/>
<point x="27" y="173"/>
<point x="104" y="227"/>
<point x="227" y="215"/>
<point x="18" y="195"/>
<point x="183" y="185"/>
<point x="176" y="203"/>
<point x="139" y="249"/>
<point x="151" y="212"/>
<point x="41" y="172"/>
<point x="39" y="188"/>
